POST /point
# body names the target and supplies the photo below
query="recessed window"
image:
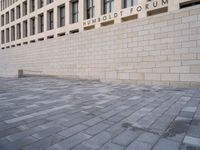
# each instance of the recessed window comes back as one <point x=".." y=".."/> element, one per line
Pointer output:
<point x="12" y="33"/>
<point x="25" y="28"/>
<point x="41" y="39"/>
<point x="40" y="23"/>
<point x="49" y="1"/>
<point x="32" y="5"/>
<point x="129" y="3"/>
<point x="25" y="43"/>
<point x="40" y="3"/>
<point x="25" y="9"/>
<point x="32" y="26"/>
<point x="7" y="17"/>
<point x="18" y="11"/>
<point x="2" y="20"/>
<point x="108" y="6"/>
<point x="12" y="13"/>
<point x="74" y="11"/>
<point x="108" y="23"/>
<point x="61" y="14"/>
<point x="2" y="37"/>
<point x="157" y="11"/>
<point x="32" y="41"/>
<point x="18" y="31"/>
<point x="189" y="4"/>
<point x="50" y="22"/>
<point x="90" y="9"/>
<point x="61" y="34"/>
<point x="74" y="31"/>
<point x="50" y="37"/>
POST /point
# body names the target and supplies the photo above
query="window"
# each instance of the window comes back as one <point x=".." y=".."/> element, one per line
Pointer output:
<point x="7" y="35"/>
<point x="32" y="26"/>
<point x="19" y="31"/>
<point x="189" y="4"/>
<point x="49" y="1"/>
<point x="12" y="14"/>
<point x="2" y="20"/>
<point x="25" y="29"/>
<point x="12" y="33"/>
<point x="61" y="12"/>
<point x="32" y="5"/>
<point x="40" y="23"/>
<point x="18" y="11"/>
<point x="74" y="9"/>
<point x="40" y="3"/>
<point x="25" y="8"/>
<point x="108" y="6"/>
<point x="50" y="23"/>
<point x="129" y="3"/>
<point x="7" y="17"/>
<point x="2" y="37"/>
<point x="89" y="9"/>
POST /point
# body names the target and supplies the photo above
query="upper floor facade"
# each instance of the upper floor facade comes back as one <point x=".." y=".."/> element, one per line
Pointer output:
<point x="28" y="21"/>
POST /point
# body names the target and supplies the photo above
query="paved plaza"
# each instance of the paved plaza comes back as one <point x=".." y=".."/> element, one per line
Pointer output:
<point x="41" y="113"/>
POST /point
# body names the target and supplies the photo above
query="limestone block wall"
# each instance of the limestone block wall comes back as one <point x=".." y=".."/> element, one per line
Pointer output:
<point x="162" y="49"/>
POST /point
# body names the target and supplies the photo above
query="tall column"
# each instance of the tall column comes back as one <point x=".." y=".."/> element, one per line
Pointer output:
<point x="28" y="20"/>
<point x="173" y="5"/>
<point x="45" y="21"/>
<point x="55" y="16"/>
<point x="36" y="17"/>
<point x="81" y="13"/>
<point x="118" y="7"/>
<point x="67" y="15"/>
<point x="98" y="10"/>
<point x="143" y="13"/>
<point x="28" y="28"/>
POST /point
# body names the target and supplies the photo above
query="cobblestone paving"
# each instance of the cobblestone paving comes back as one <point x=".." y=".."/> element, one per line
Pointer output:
<point x="56" y="114"/>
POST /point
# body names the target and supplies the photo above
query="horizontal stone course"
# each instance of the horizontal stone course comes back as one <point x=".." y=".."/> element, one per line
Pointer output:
<point x="162" y="49"/>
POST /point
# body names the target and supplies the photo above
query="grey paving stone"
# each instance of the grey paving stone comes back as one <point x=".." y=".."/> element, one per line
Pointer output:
<point x="111" y="146"/>
<point x="93" y="121"/>
<point x="73" y="130"/>
<point x="96" y="128"/>
<point x="72" y="141"/>
<point x="148" y="138"/>
<point x="44" y="143"/>
<point x="186" y="114"/>
<point x="98" y="140"/>
<point x="36" y="109"/>
<point x="82" y="147"/>
<point x="73" y="122"/>
<point x="189" y="147"/>
<point x="126" y="137"/>
<point x="36" y="114"/>
<point x="116" y="129"/>
<point x="23" y="134"/>
<point x="192" y="141"/>
<point x="3" y="141"/>
<point x="194" y="131"/>
<point x="8" y="132"/>
<point x="51" y="148"/>
<point x="47" y="132"/>
<point x="18" y="143"/>
<point x="165" y="144"/>
<point x="190" y="109"/>
<point x="136" y="145"/>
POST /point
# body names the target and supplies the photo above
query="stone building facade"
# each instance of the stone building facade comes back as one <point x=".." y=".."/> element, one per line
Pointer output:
<point x="143" y="42"/>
